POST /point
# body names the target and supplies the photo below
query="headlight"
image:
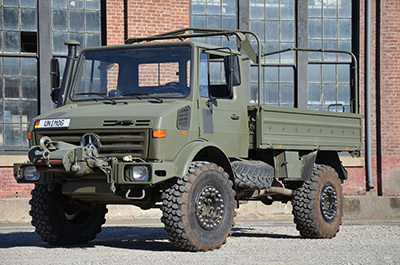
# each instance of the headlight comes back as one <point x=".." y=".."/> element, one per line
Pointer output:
<point x="137" y="173"/>
<point x="31" y="174"/>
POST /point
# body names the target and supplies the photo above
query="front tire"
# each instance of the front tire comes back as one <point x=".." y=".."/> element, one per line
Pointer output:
<point x="318" y="204"/>
<point x="58" y="221"/>
<point x="198" y="210"/>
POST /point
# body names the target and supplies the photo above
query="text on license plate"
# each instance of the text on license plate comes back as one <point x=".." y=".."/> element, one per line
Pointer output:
<point x="53" y="123"/>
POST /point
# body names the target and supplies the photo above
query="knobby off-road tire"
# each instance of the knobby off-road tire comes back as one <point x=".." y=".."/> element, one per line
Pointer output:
<point x="257" y="175"/>
<point x="56" y="222"/>
<point x="198" y="210"/>
<point x="318" y="204"/>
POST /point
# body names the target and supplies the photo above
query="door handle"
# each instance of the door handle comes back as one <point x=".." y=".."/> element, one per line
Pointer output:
<point x="235" y="117"/>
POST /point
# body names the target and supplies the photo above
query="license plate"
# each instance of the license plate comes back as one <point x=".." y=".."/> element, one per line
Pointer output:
<point x="53" y="123"/>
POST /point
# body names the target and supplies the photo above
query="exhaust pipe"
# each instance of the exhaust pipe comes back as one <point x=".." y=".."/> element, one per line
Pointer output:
<point x="69" y="66"/>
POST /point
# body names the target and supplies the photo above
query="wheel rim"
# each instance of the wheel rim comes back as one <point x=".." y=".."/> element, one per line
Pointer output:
<point x="328" y="202"/>
<point x="210" y="207"/>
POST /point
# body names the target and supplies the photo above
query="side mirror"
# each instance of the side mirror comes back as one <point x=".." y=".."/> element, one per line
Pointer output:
<point x="55" y="79"/>
<point x="232" y="70"/>
<point x="54" y="95"/>
<point x="55" y="73"/>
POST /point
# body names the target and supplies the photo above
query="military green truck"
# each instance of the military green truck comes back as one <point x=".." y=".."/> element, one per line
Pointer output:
<point x="164" y="122"/>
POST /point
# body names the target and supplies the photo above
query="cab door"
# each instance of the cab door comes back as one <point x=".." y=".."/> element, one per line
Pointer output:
<point x="222" y="119"/>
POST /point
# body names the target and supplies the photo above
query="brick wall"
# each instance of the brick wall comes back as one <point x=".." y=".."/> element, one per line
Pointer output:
<point x="9" y="188"/>
<point x="145" y="18"/>
<point x="390" y="96"/>
<point x="115" y="22"/>
<point x="155" y="16"/>
<point x="385" y="98"/>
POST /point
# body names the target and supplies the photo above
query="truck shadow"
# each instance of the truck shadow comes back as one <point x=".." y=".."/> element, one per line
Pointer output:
<point x="139" y="238"/>
<point x="247" y="232"/>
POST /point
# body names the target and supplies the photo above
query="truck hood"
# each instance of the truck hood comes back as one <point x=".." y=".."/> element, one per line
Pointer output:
<point x="99" y="116"/>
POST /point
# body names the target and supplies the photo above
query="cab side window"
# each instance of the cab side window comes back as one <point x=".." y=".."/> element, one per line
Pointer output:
<point x="203" y="75"/>
<point x="217" y="75"/>
<point x="219" y="87"/>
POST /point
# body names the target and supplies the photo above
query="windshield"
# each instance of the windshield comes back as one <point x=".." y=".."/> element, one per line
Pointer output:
<point x="134" y="72"/>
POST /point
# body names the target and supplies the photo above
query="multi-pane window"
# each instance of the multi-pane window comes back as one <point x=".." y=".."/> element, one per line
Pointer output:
<point x="278" y="85"/>
<point x="78" y="20"/>
<point x="18" y="71"/>
<point x="329" y="27"/>
<point x="274" y="22"/>
<point x="329" y="87"/>
<point x="279" y="27"/>
<point x="215" y="14"/>
<point x="19" y="91"/>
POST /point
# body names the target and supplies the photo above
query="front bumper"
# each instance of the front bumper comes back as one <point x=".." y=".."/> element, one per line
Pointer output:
<point x="158" y="172"/>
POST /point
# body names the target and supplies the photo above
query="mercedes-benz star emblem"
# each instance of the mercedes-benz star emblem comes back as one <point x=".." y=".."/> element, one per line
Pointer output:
<point x="90" y="140"/>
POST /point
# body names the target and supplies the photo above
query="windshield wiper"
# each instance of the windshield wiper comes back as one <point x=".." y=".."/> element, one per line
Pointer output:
<point x="103" y="95"/>
<point x="158" y="100"/>
<point x="135" y="94"/>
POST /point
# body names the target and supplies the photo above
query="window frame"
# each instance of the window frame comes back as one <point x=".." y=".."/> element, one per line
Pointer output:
<point x="43" y="10"/>
<point x="21" y="55"/>
<point x="301" y="62"/>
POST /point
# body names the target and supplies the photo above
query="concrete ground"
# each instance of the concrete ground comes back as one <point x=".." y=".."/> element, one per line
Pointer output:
<point x="16" y="210"/>
<point x="252" y="242"/>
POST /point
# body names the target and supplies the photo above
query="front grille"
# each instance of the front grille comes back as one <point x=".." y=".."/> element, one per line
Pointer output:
<point x="117" y="143"/>
<point x="134" y="123"/>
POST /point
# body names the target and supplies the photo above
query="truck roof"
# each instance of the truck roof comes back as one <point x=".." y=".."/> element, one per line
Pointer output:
<point x="242" y="42"/>
<point x="168" y="44"/>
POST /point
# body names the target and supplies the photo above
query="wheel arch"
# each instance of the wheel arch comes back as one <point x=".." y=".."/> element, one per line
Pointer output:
<point x="331" y="158"/>
<point x="202" y="151"/>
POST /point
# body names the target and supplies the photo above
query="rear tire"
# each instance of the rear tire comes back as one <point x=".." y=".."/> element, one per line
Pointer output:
<point x="198" y="210"/>
<point x="318" y="204"/>
<point x="57" y="221"/>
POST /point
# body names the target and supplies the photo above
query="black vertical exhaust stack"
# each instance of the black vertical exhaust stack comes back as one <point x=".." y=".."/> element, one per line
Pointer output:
<point x="69" y="66"/>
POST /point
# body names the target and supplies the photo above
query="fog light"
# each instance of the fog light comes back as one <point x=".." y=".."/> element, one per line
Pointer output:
<point x="137" y="173"/>
<point x="31" y="174"/>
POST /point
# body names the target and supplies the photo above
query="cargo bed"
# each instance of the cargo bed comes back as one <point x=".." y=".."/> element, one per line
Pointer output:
<point x="301" y="129"/>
